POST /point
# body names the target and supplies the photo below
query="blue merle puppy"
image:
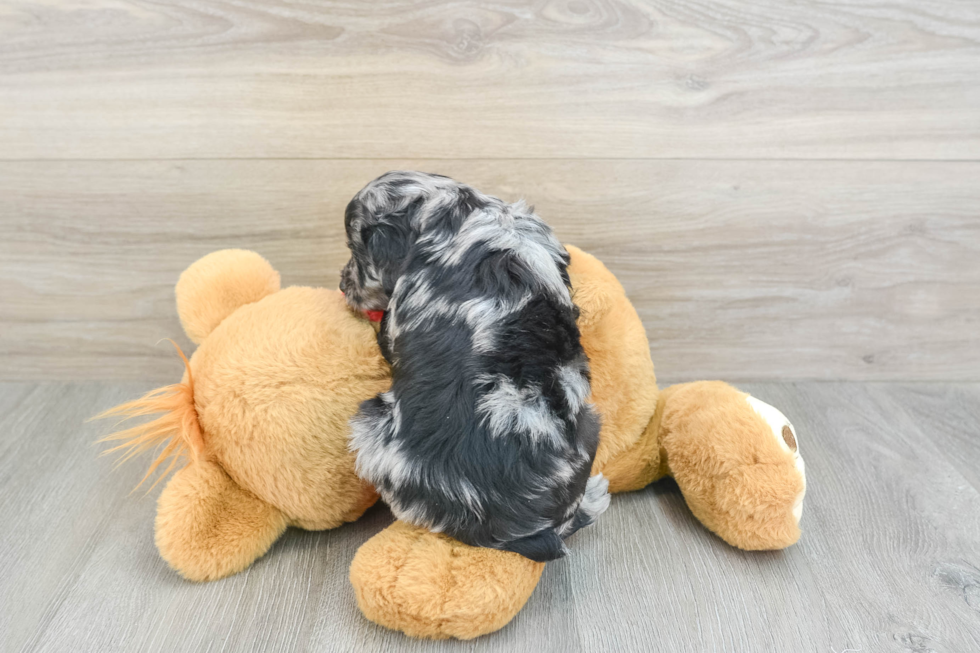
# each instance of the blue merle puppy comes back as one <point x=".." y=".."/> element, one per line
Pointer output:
<point x="486" y="434"/>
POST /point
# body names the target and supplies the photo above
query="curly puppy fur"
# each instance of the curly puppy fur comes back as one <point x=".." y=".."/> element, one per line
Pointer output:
<point x="486" y="434"/>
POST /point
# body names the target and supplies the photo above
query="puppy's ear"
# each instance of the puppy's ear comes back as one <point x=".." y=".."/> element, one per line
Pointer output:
<point x="388" y="243"/>
<point x="385" y="240"/>
<point x="355" y="221"/>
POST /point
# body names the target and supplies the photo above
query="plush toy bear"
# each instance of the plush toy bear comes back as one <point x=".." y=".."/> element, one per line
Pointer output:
<point x="262" y="417"/>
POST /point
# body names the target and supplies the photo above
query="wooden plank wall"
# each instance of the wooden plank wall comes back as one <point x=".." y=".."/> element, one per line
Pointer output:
<point x="787" y="190"/>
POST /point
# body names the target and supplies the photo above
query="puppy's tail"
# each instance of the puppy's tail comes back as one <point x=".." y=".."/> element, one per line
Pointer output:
<point x="547" y="544"/>
<point x="543" y="546"/>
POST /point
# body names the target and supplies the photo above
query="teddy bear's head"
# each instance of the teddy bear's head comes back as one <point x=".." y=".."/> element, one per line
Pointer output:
<point x="263" y="407"/>
<point x="277" y="375"/>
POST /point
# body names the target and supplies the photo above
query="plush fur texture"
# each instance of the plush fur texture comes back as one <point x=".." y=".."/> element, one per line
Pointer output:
<point x="209" y="527"/>
<point x="742" y="488"/>
<point x="624" y="387"/>
<point x="439" y="587"/>
<point x="486" y="434"/>
<point x="175" y="433"/>
<point x="216" y="285"/>
<point x="275" y="382"/>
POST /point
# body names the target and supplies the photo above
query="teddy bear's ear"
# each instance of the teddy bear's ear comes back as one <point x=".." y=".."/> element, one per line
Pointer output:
<point x="594" y="288"/>
<point x="214" y="286"/>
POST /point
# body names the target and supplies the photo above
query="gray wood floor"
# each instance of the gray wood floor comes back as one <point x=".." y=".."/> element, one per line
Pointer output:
<point x="889" y="560"/>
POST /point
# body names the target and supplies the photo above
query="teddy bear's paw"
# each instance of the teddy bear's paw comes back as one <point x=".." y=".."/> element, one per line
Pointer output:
<point x="736" y="465"/>
<point x="785" y="436"/>
<point x="207" y="527"/>
<point x="430" y="585"/>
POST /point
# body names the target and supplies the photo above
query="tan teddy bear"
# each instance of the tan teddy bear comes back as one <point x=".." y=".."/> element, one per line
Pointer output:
<point x="262" y="413"/>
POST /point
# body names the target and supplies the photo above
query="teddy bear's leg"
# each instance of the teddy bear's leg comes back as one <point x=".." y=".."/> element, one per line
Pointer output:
<point x="430" y="585"/>
<point x="736" y="460"/>
<point x="207" y="527"/>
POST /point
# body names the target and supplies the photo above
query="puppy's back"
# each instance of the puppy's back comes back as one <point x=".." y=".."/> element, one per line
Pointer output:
<point x="489" y="434"/>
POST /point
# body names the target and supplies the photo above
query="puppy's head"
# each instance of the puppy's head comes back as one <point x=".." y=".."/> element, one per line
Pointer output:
<point x="383" y="222"/>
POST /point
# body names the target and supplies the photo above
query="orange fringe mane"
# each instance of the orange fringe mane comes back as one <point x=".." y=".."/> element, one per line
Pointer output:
<point x="177" y="430"/>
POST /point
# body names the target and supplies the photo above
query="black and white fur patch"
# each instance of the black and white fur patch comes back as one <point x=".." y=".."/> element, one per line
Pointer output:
<point x="486" y="434"/>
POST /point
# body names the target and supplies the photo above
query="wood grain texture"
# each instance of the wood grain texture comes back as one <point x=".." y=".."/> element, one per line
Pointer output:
<point x="948" y="416"/>
<point x="740" y="270"/>
<point x="509" y="78"/>
<point x="889" y="560"/>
